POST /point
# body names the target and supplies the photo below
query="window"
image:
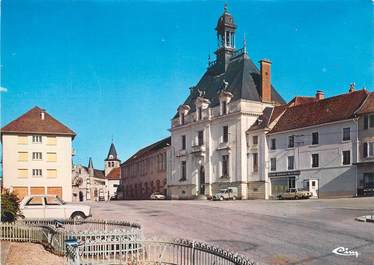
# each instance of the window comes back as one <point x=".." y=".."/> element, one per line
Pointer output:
<point x="182" y="118"/>
<point x="371" y="119"/>
<point x="291" y="162"/>
<point x="22" y="140"/>
<point x="36" y="155"/>
<point x="225" y="166"/>
<point x="51" y="173"/>
<point x="346" y="157"/>
<point x="183" y="142"/>
<point x="273" y="144"/>
<point x="346" y="134"/>
<point x="224" y="107"/>
<point x="51" y="140"/>
<point x="365" y="151"/>
<point x="22" y="173"/>
<point x="273" y="164"/>
<point x="183" y="171"/>
<point x="255" y="140"/>
<point x="315" y="160"/>
<point x="371" y="148"/>
<point x="35" y="201"/>
<point x="255" y="162"/>
<point x="36" y="139"/>
<point x="225" y="137"/>
<point x="291" y="141"/>
<point x="200" y="138"/>
<point x="36" y="172"/>
<point x="22" y="156"/>
<point x="315" y="137"/>
<point x="50" y="200"/>
<point x="51" y="157"/>
<point x="366" y="122"/>
<point x="199" y="113"/>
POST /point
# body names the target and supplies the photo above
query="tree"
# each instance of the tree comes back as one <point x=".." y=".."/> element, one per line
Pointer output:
<point x="9" y="206"/>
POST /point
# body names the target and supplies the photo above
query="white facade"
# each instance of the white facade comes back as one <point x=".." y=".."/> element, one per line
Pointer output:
<point x="204" y="163"/>
<point x="34" y="164"/>
<point x="333" y="175"/>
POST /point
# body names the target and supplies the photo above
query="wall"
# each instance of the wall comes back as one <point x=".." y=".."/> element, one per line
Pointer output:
<point x="63" y="165"/>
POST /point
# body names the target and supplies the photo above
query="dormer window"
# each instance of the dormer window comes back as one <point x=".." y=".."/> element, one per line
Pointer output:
<point x="199" y="113"/>
<point x="182" y="118"/>
<point x="224" y="107"/>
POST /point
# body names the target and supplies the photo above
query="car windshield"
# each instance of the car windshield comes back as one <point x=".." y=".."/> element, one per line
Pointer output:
<point x="222" y="190"/>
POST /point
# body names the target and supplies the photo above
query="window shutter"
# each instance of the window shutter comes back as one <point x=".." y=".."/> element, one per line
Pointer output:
<point x="365" y="150"/>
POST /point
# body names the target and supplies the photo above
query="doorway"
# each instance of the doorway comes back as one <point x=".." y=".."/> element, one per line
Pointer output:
<point x="202" y="180"/>
<point x="313" y="187"/>
<point x="80" y="196"/>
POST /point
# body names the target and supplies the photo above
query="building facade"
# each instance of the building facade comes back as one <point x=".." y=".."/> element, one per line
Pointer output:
<point x="145" y="172"/>
<point x="90" y="184"/>
<point x="208" y="133"/>
<point x="37" y="155"/>
<point x="310" y="143"/>
<point x="365" y="163"/>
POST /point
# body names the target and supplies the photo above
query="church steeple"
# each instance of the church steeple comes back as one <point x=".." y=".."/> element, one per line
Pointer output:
<point x="112" y="160"/>
<point x="226" y="38"/>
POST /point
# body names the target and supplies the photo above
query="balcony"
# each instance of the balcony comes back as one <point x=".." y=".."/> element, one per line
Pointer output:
<point x="224" y="146"/>
<point x="198" y="150"/>
<point x="181" y="153"/>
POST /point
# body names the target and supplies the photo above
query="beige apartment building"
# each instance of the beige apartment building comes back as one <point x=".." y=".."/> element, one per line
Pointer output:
<point x="37" y="155"/>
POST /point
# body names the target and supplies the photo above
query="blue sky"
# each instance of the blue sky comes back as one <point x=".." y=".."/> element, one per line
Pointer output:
<point x="111" y="68"/>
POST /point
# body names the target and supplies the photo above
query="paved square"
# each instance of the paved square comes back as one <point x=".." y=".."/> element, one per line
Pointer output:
<point x="270" y="232"/>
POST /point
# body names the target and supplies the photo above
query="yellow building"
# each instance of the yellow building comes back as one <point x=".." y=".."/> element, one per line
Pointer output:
<point x="37" y="155"/>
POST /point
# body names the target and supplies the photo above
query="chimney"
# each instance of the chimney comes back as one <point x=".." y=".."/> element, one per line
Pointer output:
<point x="320" y="95"/>
<point x="42" y="115"/>
<point x="352" y="87"/>
<point x="265" y="80"/>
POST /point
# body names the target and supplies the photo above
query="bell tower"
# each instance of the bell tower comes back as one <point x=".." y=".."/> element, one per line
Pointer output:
<point x="111" y="160"/>
<point x="226" y="38"/>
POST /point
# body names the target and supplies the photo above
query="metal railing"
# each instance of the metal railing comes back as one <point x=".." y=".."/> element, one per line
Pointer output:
<point x="115" y="243"/>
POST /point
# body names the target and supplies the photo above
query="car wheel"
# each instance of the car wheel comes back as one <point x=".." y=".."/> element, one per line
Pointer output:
<point x="221" y="198"/>
<point x="234" y="198"/>
<point x="78" y="216"/>
<point x="279" y="197"/>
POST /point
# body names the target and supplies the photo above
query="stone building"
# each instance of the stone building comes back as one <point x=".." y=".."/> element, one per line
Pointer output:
<point x="94" y="184"/>
<point x="37" y="155"/>
<point x="208" y="133"/>
<point x="145" y="172"/>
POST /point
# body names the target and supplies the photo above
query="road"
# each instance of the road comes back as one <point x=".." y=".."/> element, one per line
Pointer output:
<point x="269" y="232"/>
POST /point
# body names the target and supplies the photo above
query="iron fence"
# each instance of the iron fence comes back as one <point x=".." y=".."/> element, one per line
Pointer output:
<point x="103" y="242"/>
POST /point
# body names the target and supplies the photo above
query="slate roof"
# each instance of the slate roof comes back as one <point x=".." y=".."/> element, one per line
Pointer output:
<point x="150" y="148"/>
<point x="244" y="82"/>
<point x="114" y="174"/>
<point x="113" y="152"/>
<point x="31" y="122"/>
<point x="327" y="110"/>
<point x="267" y="117"/>
<point x="368" y="106"/>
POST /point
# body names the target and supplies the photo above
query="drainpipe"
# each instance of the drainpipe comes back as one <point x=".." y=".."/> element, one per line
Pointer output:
<point x="355" y="120"/>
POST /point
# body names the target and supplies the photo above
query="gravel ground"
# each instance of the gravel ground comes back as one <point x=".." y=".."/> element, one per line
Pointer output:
<point x="30" y="254"/>
<point x="270" y="232"/>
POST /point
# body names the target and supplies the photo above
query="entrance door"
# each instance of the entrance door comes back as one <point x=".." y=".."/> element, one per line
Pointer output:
<point x="202" y="180"/>
<point x="313" y="187"/>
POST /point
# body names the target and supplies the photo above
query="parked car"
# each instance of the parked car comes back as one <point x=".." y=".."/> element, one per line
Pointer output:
<point x="51" y="206"/>
<point x="295" y="194"/>
<point x="231" y="193"/>
<point x="157" y="196"/>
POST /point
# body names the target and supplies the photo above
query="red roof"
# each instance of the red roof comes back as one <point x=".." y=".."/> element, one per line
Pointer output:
<point x="114" y="174"/>
<point x="368" y="106"/>
<point x="299" y="100"/>
<point x="32" y="122"/>
<point x="327" y="110"/>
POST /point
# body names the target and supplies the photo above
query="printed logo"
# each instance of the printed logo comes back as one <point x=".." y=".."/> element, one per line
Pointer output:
<point x="342" y="251"/>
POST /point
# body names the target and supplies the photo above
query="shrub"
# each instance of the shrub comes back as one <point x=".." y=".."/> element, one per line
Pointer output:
<point x="9" y="206"/>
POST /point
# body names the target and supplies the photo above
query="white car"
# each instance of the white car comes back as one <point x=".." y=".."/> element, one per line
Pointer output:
<point x="157" y="196"/>
<point x="51" y="206"/>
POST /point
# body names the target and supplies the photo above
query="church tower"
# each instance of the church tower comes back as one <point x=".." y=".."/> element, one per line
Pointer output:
<point x="112" y="160"/>
<point x="226" y="39"/>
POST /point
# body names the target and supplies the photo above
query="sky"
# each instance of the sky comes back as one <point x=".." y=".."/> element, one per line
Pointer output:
<point x="118" y="70"/>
